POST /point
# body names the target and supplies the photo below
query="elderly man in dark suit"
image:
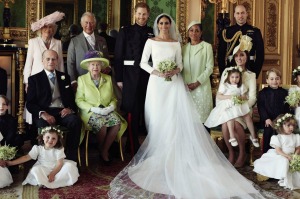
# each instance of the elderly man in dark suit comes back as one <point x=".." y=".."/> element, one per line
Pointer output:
<point x="51" y="101"/>
<point x="79" y="45"/>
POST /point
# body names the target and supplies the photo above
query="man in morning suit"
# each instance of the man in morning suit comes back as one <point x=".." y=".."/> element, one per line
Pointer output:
<point x="226" y="47"/>
<point x="79" y="45"/>
<point x="51" y="101"/>
<point x="131" y="79"/>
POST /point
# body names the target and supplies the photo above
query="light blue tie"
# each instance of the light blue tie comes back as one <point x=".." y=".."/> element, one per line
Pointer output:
<point x="52" y="77"/>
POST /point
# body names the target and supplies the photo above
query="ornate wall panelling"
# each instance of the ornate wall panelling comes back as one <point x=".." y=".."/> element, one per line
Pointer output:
<point x="181" y="18"/>
<point x="272" y="27"/>
<point x="18" y="34"/>
<point x="88" y="5"/>
<point x="34" y="8"/>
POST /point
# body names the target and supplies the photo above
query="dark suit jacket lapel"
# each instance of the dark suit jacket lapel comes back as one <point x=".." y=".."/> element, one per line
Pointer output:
<point x="98" y="45"/>
<point x="46" y="80"/>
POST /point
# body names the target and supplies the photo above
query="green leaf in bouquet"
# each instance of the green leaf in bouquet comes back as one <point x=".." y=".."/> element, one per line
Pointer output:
<point x="293" y="98"/>
<point x="7" y="152"/>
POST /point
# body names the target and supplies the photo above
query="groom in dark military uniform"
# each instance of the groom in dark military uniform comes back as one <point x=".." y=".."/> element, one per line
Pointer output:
<point x="131" y="79"/>
<point x="230" y="39"/>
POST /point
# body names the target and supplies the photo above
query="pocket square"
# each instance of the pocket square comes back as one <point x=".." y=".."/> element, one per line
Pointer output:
<point x="67" y="86"/>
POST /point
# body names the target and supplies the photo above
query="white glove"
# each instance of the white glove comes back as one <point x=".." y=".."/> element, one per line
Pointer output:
<point x="99" y="110"/>
<point x="103" y="111"/>
<point x="108" y="109"/>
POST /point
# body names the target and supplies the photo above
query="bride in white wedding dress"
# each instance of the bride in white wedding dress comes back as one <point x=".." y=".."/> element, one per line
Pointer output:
<point x="178" y="159"/>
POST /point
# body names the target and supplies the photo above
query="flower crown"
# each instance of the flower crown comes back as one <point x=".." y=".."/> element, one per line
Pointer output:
<point x="279" y="122"/>
<point x="296" y="71"/>
<point x="49" y="128"/>
<point x="226" y="72"/>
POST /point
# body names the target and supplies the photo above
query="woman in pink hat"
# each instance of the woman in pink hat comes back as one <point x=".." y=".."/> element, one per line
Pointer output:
<point x="45" y="29"/>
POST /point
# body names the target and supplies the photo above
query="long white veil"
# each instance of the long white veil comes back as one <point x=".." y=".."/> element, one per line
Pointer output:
<point x="173" y="30"/>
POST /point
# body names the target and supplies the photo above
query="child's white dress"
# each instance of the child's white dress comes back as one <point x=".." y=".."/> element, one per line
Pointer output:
<point x="276" y="166"/>
<point x="297" y="109"/>
<point x="226" y="110"/>
<point x="5" y="177"/>
<point x="47" y="159"/>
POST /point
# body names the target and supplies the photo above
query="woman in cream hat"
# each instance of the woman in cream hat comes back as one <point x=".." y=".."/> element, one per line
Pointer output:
<point x="241" y="58"/>
<point x="97" y="103"/>
<point x="198" y="63"/>
<point x="45" y="29"/>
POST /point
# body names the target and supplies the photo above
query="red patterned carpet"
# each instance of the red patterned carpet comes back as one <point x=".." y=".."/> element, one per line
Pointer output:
<point x="94" y="183"/>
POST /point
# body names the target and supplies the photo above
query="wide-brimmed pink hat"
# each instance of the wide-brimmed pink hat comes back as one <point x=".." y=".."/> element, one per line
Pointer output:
<point x="49" y="19"/>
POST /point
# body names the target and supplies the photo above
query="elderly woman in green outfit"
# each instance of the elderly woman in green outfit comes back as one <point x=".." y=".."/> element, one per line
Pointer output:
<point x="198" y="63"/>
<point x="97" y="103"/>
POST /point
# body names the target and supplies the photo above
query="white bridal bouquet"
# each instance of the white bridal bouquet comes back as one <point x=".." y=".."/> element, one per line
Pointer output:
<point x="237" y="100"/>
<point x="295" y="163"/>
<point x="293" y="98"/>
<point x="7" y="152"/>
<point x="165" y="66"/>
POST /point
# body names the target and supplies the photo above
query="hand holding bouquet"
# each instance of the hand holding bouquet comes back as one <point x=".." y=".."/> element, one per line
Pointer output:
<point x="166" y="66"/>
<point x="293" y="98"/>
<point x="295" y="163"/>
<point x="7" y="152"/>
<point x="238" y="100"/>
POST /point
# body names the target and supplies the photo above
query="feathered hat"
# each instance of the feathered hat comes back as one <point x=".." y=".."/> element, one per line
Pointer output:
<point x="49" y="19"/>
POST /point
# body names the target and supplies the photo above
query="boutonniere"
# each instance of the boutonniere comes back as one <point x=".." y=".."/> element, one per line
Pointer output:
<point x="63" y="77"/>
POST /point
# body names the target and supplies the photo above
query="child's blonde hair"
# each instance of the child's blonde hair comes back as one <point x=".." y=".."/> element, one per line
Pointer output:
<point x="51" y="130"/>
<point x="283" y="119"/>
<point x="273" y="70"/>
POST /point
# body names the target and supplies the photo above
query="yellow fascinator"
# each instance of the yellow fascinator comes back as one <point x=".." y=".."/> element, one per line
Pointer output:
<point x="245" y="44"/>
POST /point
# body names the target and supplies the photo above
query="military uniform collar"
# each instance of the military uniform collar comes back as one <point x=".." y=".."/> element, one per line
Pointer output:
<point x="140" y="27"/>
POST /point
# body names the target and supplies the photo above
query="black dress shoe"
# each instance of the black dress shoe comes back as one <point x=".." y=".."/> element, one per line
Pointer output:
<point x="105" y="162"/>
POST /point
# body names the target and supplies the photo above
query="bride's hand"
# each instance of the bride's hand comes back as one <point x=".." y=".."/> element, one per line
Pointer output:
<point x="159" y="74"/>
<point x="172" y="72"/>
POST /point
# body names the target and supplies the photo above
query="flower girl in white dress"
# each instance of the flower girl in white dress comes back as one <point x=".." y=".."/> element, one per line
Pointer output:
<point x="5" y="179"/>
<point x="275" y="163"/>
<point x="51" y="169"/>
<point x="231" y="104"/>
